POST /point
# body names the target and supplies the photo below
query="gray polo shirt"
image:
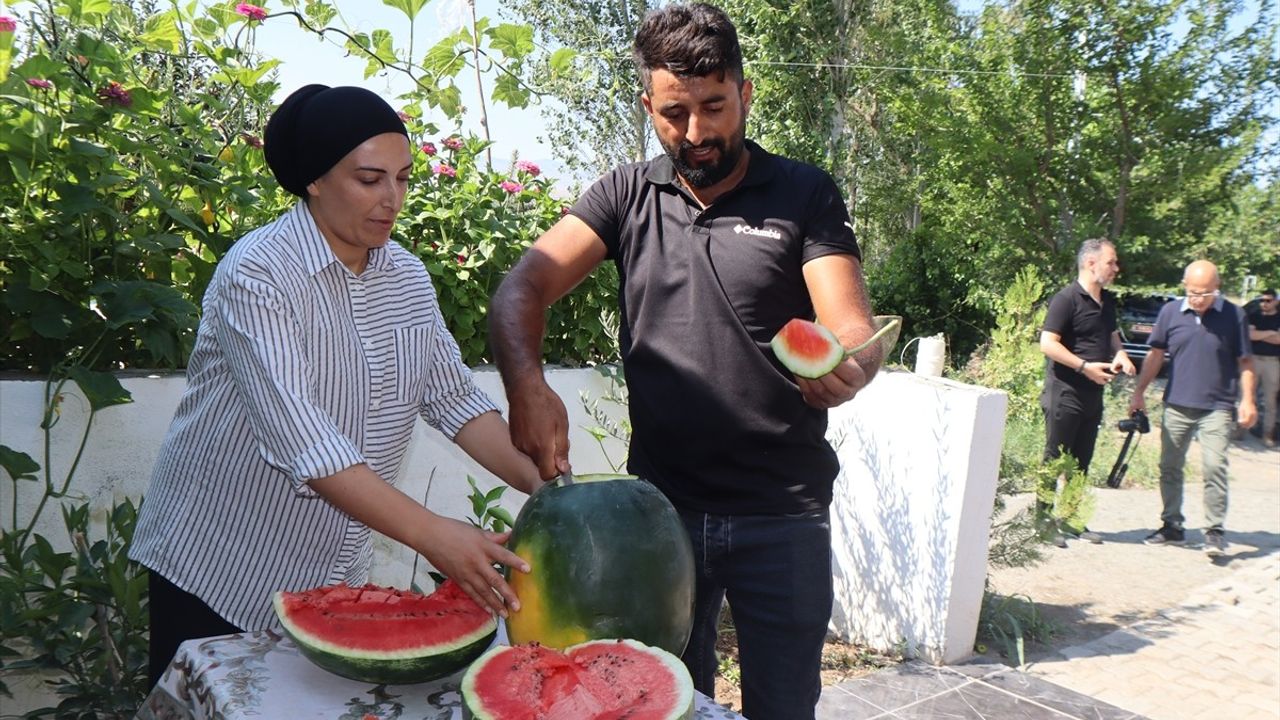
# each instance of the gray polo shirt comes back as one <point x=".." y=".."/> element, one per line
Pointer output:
<point x="717" y="423"/>
<point x="1205" y="352"/>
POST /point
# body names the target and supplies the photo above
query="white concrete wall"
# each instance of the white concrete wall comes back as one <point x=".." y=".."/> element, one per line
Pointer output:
<point x="912" y="513"/>
<point x="125" y="440"/>
<point x="910" y="520"/>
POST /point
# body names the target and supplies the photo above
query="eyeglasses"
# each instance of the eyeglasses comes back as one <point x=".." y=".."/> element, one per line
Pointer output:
<point x="1211" y="293"/>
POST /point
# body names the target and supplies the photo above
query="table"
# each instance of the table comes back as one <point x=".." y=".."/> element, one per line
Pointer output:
<point x="262" y="675"/>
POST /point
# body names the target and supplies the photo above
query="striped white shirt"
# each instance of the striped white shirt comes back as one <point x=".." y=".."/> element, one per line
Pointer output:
<point x="300" y="369"/>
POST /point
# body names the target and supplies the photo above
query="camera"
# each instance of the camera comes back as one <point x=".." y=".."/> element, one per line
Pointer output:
<point x="1137" y="422"/>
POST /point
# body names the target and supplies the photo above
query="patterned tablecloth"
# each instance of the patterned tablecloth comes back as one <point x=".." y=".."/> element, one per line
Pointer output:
<point x="262" y="675"/>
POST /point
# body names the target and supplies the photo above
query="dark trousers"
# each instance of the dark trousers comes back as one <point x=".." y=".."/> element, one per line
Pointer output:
<point x="1071" y="419"/>
<point x="776" y="572"/>
<point x="178" y="616"/>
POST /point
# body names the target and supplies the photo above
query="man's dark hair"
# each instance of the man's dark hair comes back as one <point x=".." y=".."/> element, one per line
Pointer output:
<point x="1269" y="291"/>
<point x="692" y="40"/>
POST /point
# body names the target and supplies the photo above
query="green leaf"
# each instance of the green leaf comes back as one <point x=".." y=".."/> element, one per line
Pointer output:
<point x="182" y="218"/>
<point x="449" y="100"/>
<point x="410" y="8"/>
<point x="561" y="61"/>
<point x="18" y="464"/>
<point x="320" y="13"/>
<point x="162" y="32"/>
<point x="513" y="41"/>
<point x="102" y="389"/>
<point x="79" y="9"/>
<point x="507" y="89"/>
<point x="502" y="514"/>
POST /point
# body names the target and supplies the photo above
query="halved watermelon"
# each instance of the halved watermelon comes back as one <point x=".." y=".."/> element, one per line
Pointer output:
<point x="807" y="349"/>
<point x="597" y="680"/>
<point x="384" y="635"/>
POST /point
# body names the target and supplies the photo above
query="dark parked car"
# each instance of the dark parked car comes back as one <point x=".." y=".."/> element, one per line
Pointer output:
<point x="1137" y="317"/>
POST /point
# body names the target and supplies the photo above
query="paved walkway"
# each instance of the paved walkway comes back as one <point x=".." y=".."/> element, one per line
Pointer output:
<point x="1211" y="651"/>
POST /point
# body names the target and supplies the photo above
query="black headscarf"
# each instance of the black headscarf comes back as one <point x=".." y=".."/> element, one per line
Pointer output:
<point x="317" y="126"/>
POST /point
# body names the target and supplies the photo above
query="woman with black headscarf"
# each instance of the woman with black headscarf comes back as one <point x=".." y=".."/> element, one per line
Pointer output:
<point x="320" y="343"/>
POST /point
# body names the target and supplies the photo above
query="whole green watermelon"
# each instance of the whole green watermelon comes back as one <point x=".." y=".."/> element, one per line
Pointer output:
<point x="610" y="558"/>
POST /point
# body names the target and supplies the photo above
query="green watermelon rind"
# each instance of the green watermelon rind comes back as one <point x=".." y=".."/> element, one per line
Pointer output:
<point x="401" y="667"/>
<point x="807" y="367"/>
<point x="678" y="671"/>
<point x="606" y="593"/>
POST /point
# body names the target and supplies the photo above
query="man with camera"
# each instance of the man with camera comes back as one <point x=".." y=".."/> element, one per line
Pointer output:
<point x="1083" y="350"/>
<point x="1206" y="338"/>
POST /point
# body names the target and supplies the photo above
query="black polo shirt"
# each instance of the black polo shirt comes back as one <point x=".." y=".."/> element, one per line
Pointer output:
<point x="1205" y="352"/>
<point x="717" y="423"/>
<point x="1085" y="328"/>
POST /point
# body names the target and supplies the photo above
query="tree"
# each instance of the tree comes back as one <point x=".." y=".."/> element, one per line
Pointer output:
<point x="597" y="120"/>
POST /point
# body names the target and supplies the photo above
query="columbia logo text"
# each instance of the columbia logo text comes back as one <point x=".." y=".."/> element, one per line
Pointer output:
<point x="761" y="232"/>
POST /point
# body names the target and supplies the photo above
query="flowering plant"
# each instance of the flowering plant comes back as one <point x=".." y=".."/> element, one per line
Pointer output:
<point x="472" y="229"/>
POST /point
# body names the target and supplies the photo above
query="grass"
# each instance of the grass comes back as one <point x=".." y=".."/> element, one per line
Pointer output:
<point x="1008" y="622"/>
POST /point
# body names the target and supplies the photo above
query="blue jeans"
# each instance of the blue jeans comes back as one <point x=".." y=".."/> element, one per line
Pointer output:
<point x="776" y="572"/>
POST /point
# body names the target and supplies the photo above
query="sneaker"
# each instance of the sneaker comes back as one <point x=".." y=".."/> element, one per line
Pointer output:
<point x="1091" y="536"/>
<point x="1060" y="540"/>
<point x="1167" y="535"/>
<point x="1215" y="543"/>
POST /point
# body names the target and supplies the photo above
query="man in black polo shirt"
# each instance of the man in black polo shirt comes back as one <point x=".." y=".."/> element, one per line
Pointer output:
<point x="1264" y="331"/>
<point x="718" y="244"/>
<point x="1083" y="353"/>
<point x="1206" y="338"/>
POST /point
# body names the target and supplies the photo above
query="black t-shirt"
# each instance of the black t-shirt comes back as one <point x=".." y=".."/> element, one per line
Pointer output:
<point x="717" y="423"/>
<point x="1265" y="322"/>
<point x="1085" y="328"/>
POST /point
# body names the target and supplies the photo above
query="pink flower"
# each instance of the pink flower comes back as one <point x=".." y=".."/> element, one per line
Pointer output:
<point x="428" y="149"/>
<point x="8" y="24"/>
<point x="526" y="166"/>
<point x="461" y="258"/>
<point x="251" y="140"/>
<point x="452" y="143"/>
<point x="443" y="169"/>
<point x="404" y="116"/>
<point x="511" y="186"/>
<point x="253" y="12"/>
<point x="114" y="94"/>
<point x="40" y="83"/>
<point x="564" y="210"/>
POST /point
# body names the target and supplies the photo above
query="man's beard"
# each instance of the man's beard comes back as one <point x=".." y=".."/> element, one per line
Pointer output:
<point x="708" y="174"/>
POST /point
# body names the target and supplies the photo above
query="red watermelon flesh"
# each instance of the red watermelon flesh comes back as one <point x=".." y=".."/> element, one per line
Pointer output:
<point x="597" y="680"/>
<point x="807" y="349"/>
<point x="382" y="634"/>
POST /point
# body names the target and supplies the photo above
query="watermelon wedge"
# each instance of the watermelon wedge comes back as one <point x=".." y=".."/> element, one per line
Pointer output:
<point x="810" y="350"/>
<point x="384" y="635"/>
<point x="597" y="680"/>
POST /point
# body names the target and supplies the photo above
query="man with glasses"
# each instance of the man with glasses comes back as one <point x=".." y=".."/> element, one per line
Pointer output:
<point x="1206" y="339"/>
<point x="1264" y="331"/>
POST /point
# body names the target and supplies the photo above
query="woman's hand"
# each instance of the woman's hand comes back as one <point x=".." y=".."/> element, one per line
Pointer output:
<point x="467" y="556"/>
<point x="464" y="553"/>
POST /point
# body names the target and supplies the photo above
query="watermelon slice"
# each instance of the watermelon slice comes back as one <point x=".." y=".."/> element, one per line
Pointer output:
<point x="597" y="680"/>
<point x="810" y="350"/>
<point x="384" y="635"/>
